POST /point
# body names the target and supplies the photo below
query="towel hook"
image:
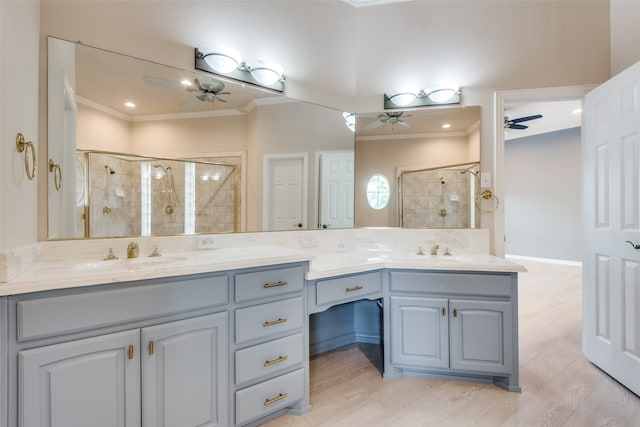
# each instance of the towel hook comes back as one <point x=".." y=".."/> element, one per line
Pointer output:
<point x="27" y="146"/>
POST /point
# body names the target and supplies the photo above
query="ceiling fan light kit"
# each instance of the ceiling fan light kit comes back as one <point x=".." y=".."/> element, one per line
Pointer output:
<point x="228" y="63"/>
<point x="424" y="98"/>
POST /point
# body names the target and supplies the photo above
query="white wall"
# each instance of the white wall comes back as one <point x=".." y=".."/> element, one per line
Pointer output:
<point x="625" y="34"/>
<point x="18" y="113"/>
<point x="543" y="188"/>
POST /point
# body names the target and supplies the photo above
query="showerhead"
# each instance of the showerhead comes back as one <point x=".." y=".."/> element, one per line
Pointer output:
<point x="474" y="173"/>
<point x="109" y="169"/>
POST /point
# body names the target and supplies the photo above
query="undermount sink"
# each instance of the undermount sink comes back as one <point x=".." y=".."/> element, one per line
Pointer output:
<point x="127" y="263"/>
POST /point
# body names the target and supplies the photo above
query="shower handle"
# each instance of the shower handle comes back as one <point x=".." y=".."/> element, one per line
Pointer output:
<point x="635" y="246"/>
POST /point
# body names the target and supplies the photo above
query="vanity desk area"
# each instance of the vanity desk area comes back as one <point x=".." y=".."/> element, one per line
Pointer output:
<point x="223" y="336"/>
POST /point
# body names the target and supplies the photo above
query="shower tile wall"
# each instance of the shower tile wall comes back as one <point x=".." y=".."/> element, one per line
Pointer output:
<point x="115" y="199"/>
<point x="437" y="198"/>
<point x="218" y="203"/>
<point x="114" y="208"/>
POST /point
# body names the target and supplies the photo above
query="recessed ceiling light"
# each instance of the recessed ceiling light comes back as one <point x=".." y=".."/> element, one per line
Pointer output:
<point x="446" y="126"/>
<point x="186" y="82"/>
<point x="129" y="104"/>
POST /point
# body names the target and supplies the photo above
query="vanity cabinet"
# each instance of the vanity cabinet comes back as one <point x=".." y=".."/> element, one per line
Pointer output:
<point x="181" y="366"/>
<point x="151" y="353"/>
<point x="454" y="324"/>
<point x="271" y="344"/>
<point x="326" y="293"/>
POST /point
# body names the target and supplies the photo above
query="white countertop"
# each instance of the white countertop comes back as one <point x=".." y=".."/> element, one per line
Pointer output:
<point x="69" y="274"/>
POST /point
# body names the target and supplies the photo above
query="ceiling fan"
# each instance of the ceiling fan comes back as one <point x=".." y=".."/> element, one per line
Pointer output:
<point x="394" y="118"/>
<point x="515" y="123"/>
<point x="208" y="90"/>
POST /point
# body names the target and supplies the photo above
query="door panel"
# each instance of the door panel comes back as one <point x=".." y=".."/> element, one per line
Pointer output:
<point x="185" y="377"/>
<point x="611" y="210"/>
<point x="286" y="190"/>
<point x="89" y="382"/>
<point x="336" y="190"/>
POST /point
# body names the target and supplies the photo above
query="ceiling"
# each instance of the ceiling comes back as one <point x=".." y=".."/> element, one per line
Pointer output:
<point x="556" y="115"/>
<point x="419" y="123"/>
<point x="365" y="3"/>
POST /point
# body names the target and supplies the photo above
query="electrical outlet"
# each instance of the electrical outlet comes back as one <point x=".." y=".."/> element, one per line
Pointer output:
<point x="485" y="180"/>
<point x="206" y="242"/>
<point x="341" y="246"/>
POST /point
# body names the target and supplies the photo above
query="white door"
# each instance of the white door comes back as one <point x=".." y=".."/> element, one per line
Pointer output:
<point x="285" y="197"/>
<point x="336" y="190"/>
<point x="611" y="206"/>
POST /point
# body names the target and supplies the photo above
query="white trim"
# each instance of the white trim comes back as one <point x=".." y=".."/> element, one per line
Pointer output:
<point x="500" y="99"/>
<point x="545" y="260"/>
<point x="266" y="190"/>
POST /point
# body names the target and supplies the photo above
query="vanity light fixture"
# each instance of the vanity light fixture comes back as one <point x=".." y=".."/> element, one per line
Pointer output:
<point x="227" y="62"/>
<point x="350" y="120"/>
<point x="424" y="98"/>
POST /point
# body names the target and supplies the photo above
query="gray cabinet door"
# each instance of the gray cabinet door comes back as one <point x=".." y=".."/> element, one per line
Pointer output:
<point x="88" y="382"/>
<point x="420" y="332"/>
<point x="185" y="373"/>
<point x="481" y="336"/>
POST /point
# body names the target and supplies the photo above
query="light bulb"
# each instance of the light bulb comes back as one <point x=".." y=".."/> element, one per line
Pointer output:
<point x="267" y="72"/>
<point x="223" y="59"/>
<point x="402" y="99"/>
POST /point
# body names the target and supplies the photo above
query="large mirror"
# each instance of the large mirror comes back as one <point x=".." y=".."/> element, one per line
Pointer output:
<point x="128" y="137"/>
<point x="425" y="163"/>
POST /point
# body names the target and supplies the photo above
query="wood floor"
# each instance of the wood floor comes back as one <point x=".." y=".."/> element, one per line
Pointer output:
<point x="559" y="386"/>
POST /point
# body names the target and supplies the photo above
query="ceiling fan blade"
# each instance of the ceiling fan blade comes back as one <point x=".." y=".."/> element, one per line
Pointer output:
<point x="517" y="126"/>
<point x="220" y="99"/>
<point x="526" y="119"/>
<point x="373" y="125"/>
<point x="167" y="84"/>
<point x="191" y="103"/>
<point x="405" y="124"/>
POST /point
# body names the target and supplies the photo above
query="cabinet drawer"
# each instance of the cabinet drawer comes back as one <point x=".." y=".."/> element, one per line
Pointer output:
<point x="267" y="283"/>
<point x="268" y="358"/>
<point x="263" y="320"/>
<point x="451" y="283"/>
<point x="350" y="288"/>
<point x="269" y="396"/>
<point x="43" y="317"/>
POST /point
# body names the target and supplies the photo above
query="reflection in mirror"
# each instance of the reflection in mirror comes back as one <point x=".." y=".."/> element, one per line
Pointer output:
<point x="406" y="145"/>
<point x="101" y="101"/>
<point x="440" y="197"/>
<point x="134" y="195"/>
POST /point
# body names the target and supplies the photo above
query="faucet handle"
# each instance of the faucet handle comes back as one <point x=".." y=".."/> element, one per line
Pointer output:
<point x="110" y="255"/>
<point x="434" y="249"/>
<point x="155" y="251"/>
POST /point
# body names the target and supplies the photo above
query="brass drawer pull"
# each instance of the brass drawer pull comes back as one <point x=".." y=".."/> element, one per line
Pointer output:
<point x="444" y="311"/>
<point x="150" y="348"/>
<point x="273" y="285"/>
<point x="274" y="322"/>
<point x="355" y="288"/>
<point x="455" y="312"/>
<point x="130" y="352"/>
<point x="274" y="361"/>
<point x="275" y="399"/>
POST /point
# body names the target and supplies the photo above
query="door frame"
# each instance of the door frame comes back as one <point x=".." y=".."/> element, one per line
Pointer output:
<point x="500" y="99"/>
<point x="266" y="185"/>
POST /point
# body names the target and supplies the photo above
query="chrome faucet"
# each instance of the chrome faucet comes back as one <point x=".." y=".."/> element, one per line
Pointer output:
<point x="133" y="250"/>
<point x="434" y="249"/>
